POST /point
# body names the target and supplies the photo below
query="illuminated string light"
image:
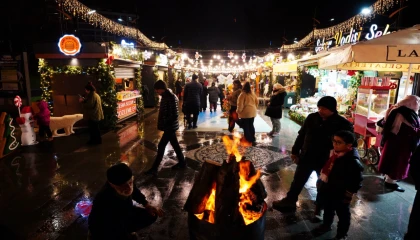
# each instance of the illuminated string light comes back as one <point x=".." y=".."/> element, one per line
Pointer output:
<point x="380" y="7"/>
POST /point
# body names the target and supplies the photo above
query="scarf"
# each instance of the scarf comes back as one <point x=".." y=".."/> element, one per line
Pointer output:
<point x="326" y="170"/>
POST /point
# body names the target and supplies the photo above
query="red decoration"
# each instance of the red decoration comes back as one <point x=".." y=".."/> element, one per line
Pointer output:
<point x="351" y="72"/>
<point x="20" y="120"/>
<point x="26" y="109"/>
<point x="17" y="101"/>
<point x="109" y="60"/>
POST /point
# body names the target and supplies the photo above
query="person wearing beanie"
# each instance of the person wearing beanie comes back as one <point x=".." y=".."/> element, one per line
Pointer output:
<point x="168" y="123"/>
<point x="192" y="101"/>
<point x="275" y="108"/>
<point x="113" y="214"/>
<point x="312" y="148"/>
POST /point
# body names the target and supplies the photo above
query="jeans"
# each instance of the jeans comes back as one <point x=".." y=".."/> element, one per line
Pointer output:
<point x="194" y="110"/>
<point x="233" y="117"/>
<point x="276" y="124"/>
<point x="168" y="136"/>
<point x="336" y="205"/>
<point x="249" y="129"/>
<point x="94" y="132"/>
<point x="412" y="232"/>
<point x="302" y="174"/>
<point x="45" y="129"/>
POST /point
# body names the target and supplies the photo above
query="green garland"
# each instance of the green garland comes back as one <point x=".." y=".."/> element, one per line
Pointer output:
<point x="300" y="119"/>
<point x="156" y="76"/>
<point x="174" y="79"/>
<point x="298" y="83"/>
<point x="166" y="78"/>
<point x="108" y="95"/>
<point x="355" y="82"/>
<point x="140" y="102"/>
<point x="46" y="73"/>
<point x="183" y="77"/>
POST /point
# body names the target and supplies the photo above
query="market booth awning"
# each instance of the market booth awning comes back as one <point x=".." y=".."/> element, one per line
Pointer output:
<point x="337" y="57"/>
<point x="287" y="67"/>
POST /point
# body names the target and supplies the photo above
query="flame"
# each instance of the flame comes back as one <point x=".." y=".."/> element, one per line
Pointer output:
<point x="247" y="196"/>
<point x="210" y="206"/>
<point x="233" y="144"/>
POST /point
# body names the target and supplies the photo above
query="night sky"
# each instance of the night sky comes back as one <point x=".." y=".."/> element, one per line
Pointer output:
<point x="237" y="24"/>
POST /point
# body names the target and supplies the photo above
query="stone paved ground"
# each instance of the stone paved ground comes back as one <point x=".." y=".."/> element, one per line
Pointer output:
<point x="41" y="185"/>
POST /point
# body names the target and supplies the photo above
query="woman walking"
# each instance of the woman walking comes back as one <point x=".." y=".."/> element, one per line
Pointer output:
<point x="275" y="108"/>
<point x="92" y="111"/>
<point x="247" y="111"/>
<point x="399" y="140"/>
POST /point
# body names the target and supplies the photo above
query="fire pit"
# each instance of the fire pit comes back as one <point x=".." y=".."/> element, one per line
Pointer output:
<point x="227" y="200"/>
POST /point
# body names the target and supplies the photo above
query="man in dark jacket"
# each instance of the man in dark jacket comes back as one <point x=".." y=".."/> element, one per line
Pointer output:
<point x="168" y="123"/>
<point x="312" y="146"/>
<point x="192" y="100"/>
<point x="341" y="177"/>
<point x="412" y="232"/>
<point x="113" y="215"/>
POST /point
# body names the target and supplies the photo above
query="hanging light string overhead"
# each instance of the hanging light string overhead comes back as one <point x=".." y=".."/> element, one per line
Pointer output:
<point x="378" y="8"/>
<point x="79" y="10"/>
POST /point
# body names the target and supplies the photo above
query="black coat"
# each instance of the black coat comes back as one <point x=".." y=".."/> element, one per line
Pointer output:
<point x="178" y="87"/>
<point x="415" y="167"/>
<point x="203" y="103"/>
<point x="109" y="214"/>
<point x="314" y="140"/>
<point x="275" y="109"/>
<point x="221" y="94"/>
<point x="192" y="94"/>
<point x="168" y="112"/>
<point x="346" y="175"/>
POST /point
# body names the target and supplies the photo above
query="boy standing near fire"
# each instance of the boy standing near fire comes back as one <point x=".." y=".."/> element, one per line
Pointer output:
<point x="341" y="177"/>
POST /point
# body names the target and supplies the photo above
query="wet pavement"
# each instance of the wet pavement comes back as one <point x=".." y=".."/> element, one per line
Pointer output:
<point x="43" y="188"/>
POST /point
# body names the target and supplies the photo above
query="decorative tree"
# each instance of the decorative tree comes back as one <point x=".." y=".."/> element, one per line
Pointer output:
<point x="355" y="82"/>
<point x="140" y="102"/>
<point x="46" y="73"/>
<point x="166" y="78"/>
<point x="298" y="83"/>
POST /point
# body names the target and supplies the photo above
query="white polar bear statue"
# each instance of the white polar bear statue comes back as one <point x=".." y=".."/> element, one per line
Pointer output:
<point x="26" y="123"/>
<point x="66" y="122"/>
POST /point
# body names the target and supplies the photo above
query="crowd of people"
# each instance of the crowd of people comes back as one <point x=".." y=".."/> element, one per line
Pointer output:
<point x="326" y="144"/>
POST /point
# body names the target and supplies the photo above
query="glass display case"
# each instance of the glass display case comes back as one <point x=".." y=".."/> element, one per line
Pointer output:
<point x="373" y="101"/>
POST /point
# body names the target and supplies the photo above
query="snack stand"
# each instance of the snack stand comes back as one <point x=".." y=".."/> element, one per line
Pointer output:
<point x="371" y="106"/>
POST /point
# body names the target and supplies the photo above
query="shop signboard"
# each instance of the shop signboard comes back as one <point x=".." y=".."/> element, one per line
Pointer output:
<point x="403" y="53"/>
<point x="384" y="67"/>
<point x="126" y="108"/>
<point x="354" y="36"/>
<point x="69" y="45"/>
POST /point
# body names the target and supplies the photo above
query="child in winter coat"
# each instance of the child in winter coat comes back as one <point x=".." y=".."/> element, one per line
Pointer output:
<point x="341" y="178"/>
<point x="43" y="120"/>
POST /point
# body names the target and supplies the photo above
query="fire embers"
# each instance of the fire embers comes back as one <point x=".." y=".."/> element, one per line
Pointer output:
<point x="230" y="194"/>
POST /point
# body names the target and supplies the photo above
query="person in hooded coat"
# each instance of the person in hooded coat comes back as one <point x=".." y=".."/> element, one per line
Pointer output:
<point x="399" y="140"/>
<point x="203" y="105"/>
<point x="213" y="96"/>
<point x="275" y="108"/>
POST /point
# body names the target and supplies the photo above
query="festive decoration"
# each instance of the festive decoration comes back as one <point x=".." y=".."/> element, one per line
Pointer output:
<point x="300" y="119"/>
<point x="18" y="102"/>
<point x="156" y="76"/>
<point x="125" y="52"/>
<point x="8" y="141"/>
<point x="231" y="55"/>
<point x="147" y="55"/>
<point x="46" y="73"/>
<point x="298" y="83"/>
<point x="380" y="7"/>
<point x="26" y="123"/>
<point x="244" y="57"/>
<point x="197" y="56"/>
<point x="355" y="82"/>
<point x="79" y="10"/>
<point x="140" y="102"/>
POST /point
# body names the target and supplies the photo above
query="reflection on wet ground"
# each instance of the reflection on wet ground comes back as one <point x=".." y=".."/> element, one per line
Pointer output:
<point x="46" y="190"/>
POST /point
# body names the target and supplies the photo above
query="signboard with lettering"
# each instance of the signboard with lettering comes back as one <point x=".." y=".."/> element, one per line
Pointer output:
<point x="403" y="53"/>
<point x="69" y="45"/>
<point x="351" y="37"/>
<point x="386" y="67"/>
<point x="126" y="108"/>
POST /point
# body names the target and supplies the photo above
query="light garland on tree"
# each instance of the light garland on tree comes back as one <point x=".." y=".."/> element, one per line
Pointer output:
<point x="378" y="8"/>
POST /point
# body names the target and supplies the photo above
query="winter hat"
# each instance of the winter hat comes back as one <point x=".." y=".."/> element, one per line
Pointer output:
<point x="159" y="84"/>
<point x="119" y="174"/>
<point x="328" y="102"/>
